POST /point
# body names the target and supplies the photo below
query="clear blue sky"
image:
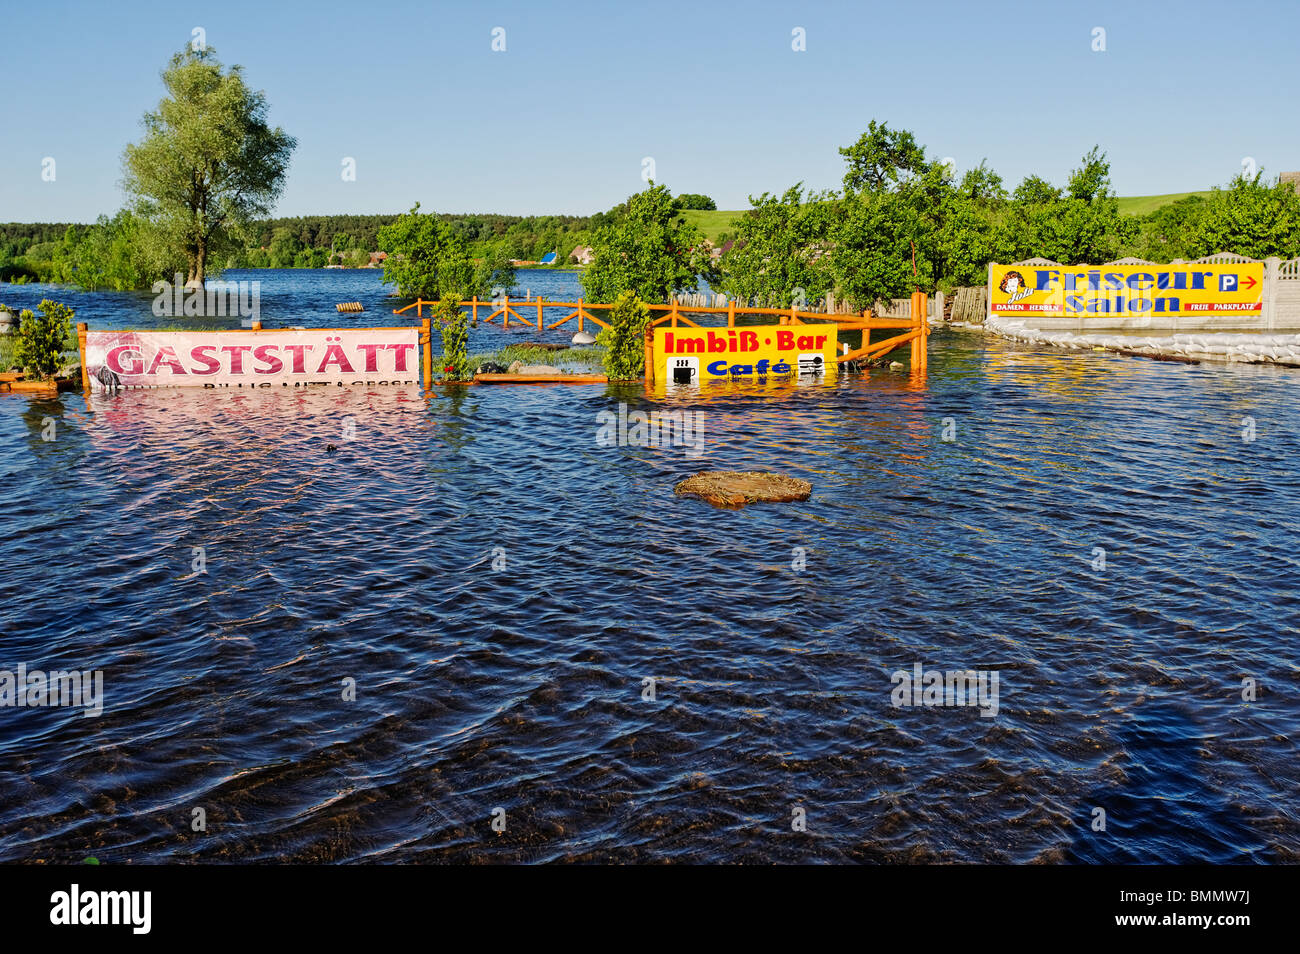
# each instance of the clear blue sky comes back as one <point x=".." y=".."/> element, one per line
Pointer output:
<point x="561" y="120"/>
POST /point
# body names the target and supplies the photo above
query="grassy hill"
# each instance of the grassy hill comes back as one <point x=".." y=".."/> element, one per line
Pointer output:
<point x="713" y="224"/>
<point x="1146" y="204"/>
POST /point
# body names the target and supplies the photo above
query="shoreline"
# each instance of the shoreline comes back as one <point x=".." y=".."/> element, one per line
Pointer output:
<point x="1224" y="347"/>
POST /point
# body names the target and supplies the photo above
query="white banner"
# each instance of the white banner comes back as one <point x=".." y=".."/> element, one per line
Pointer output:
<point x="252" y="359"/>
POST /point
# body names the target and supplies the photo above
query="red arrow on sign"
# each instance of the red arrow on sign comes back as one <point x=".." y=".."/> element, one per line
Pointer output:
<point x="1252" y="281"/>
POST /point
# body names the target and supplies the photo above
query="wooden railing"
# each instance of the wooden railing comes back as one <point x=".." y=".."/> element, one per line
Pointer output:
<point x="675" y="314"/>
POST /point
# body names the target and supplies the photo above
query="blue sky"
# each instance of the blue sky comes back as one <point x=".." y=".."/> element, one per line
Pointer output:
<point x="562" y="119"/>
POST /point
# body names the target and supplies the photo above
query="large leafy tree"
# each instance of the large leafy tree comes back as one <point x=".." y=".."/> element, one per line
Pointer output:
<point x="648" y="249"/>
<point x="209" y="163"/>
<point x="872" y="243"/>
<point x="1251" y="217"/>
<point x="882" y="158"/>
<point x="782" y="245"/>
<point x="426" y="257"/>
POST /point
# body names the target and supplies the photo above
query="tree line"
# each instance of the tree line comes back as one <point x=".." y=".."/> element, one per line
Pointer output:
<point x="900" y="221"/>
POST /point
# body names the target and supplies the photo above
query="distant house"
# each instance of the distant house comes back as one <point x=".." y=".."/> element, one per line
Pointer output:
<point x="549" y="258"/>
<point x="1293" y="178"/>
<point x="376" y="260"/>
<point x="583" y="255"/>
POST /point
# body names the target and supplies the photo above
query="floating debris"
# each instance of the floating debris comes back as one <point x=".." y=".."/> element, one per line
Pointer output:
<point x="736" y="488"/>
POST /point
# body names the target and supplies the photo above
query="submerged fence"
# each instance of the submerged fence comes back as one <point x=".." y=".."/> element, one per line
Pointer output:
<point x="913" y="325"/>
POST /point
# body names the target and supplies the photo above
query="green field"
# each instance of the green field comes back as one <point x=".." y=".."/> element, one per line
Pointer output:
<point x="713" y="224"/>
<point x="1146" y="204"/>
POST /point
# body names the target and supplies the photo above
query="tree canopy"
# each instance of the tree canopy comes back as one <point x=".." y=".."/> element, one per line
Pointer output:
<point x="209" y="162"/>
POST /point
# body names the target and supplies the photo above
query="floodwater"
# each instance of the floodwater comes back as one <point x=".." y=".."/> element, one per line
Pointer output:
<point x="475" y="610"/>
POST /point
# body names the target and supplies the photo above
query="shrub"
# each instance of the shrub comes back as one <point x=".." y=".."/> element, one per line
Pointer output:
<point x="624" y="339"/>
<point x="455" y="339"/>
<point x="40" y="342"/>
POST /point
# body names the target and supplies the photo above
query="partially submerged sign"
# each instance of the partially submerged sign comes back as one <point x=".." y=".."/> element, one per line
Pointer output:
<point x="252" y="359"/>
<point x="685" y="355"/>
<point x="1126" y="291"/>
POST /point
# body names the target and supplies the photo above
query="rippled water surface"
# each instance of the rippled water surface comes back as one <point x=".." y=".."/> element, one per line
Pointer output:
<point x="500" y="587"/>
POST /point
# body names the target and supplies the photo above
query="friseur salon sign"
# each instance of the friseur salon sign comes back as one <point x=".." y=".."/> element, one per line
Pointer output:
<point x="252" y="359"/>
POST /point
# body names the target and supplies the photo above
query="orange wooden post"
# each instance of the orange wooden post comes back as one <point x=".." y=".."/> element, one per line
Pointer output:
<point x="649" y="354"/>
<point x="674" y="321"/>
<point x="81" y="347"/>
<point x="539" y="312"/>
<point x="919" y="301"/>
<point x="426" y="351"/>
<point x="474" y="308"/>
<point x="731" y="313"/>
<point x="505" y="313"/>
<point x="579" y="314"/>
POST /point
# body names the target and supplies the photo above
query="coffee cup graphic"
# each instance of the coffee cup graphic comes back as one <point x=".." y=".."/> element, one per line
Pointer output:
<point x="685" y="371"/>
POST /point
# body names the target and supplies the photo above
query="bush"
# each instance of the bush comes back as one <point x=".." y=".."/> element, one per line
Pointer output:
<point x="40" y="342"/>
<point x="624" y="339"/>
<point x="455" y="339"/>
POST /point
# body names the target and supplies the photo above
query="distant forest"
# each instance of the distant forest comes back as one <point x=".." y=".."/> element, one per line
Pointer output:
<point x="314" y="241"/>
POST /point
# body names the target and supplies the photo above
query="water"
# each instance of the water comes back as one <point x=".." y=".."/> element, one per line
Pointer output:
<point x="521" y="687"/>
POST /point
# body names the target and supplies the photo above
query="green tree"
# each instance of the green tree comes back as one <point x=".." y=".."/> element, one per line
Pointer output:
<point x="40" y="342"/>
<point x="781" y="245"/>
<point x="1171" y="231"/>
<point x="1035" y="190"/>
<point x="426" y="258"/>
<point x="872" y="254"/>
<point x="1250" y="217"/>
<point x="881" y="159"/>
<point x="209" y="163"/>
<point x="693" y="200"/>
<point x="624" y="339"/>
<point x="453" y="322"/>
<point x="982" y="184"/>
<point x="1092" y="179"/>
<point x="649" y="250"/>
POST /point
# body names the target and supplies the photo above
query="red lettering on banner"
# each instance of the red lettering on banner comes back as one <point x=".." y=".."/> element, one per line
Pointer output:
<point x="334" y="354"/>
<point x="399" y="355"/>
<point x="212" y="362"/>
<point x="298" y="350"/>
<point x="115" y="356"/>
<point x="166" y="356"/>
<point x="236" y="353"/>
<point x="370" y="349"/>
<point x="262" y="353"/>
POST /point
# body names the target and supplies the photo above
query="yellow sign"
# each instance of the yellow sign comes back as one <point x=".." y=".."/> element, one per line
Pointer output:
<point x="1126" y="291"/>
<point x="755" y="353"/>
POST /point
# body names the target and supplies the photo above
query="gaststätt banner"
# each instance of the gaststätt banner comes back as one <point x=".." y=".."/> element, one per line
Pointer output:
<point x="685" y="355"/>
<point x="252" y="359"/>
<point x="1126" y="291"/>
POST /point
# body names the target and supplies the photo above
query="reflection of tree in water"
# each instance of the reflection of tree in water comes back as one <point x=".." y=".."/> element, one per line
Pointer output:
<point x="35" y="415"/>
<point x="1165" y="811"/>
<point x="455" y="425"/>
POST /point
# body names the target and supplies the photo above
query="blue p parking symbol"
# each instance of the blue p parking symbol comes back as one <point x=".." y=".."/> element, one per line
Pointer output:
<point x="1227" y="282"/>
